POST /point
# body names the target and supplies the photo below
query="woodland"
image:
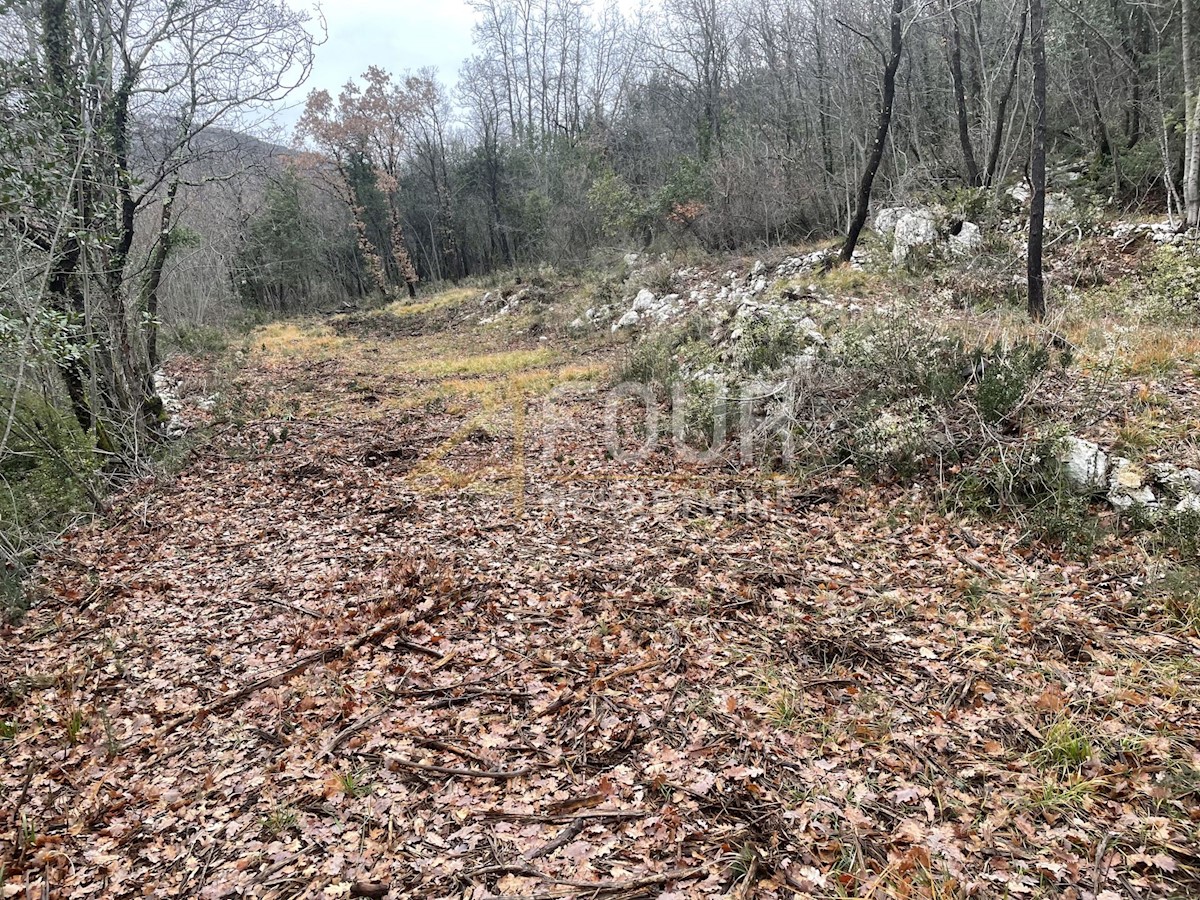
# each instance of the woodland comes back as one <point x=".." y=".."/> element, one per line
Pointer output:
<point x="717" y="448"/>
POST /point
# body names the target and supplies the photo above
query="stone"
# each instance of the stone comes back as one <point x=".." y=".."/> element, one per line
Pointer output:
<point x="1085" y="465"/>
<point x="1020" y="193"/>
<point x="1059" y="208"/>
<point x="644" y="300"/>
<point x="886" y="219"/>
<point x="629" y="320"/>
<point x="1127" y="486"/>
<point x="1188" y="504"/>
<point x="631" y="259"/>
<point x="914" y="229"/>
<point x="966" y="240"/>
<point x="1177" y="482"/>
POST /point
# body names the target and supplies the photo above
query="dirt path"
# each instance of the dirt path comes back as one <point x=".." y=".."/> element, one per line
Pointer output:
<point x="406" y="622"/>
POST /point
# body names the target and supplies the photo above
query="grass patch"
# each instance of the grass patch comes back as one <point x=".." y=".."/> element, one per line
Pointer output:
<point x="1065" y="748"/>
<point x="481" y="364"/>
<point x="1059" y="797"/>
<point x="297" y="340"/>
<point x="441" y="300"/>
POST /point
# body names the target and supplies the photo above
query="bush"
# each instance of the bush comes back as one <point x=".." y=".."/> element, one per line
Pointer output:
<point x="765" y="344"/>
<point x="13" y="602"/>
<point x="197" y="340"/>
<point x="897" y="397"/>
<point x="1173" y="282"/>
<point x="1024" y="479"/>
<point x="50" y="473"/>
<point x="1007" y="376"/>
<point x="659" y="360"/>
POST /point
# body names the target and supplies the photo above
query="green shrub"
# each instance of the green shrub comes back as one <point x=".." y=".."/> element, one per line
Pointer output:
<point x="1024" y="479"/>
<point x="659" y="359"/>
<point x="13" y="602"/>
<point x="1007" y="375"/>
<point x="704" y="411"/>
<point x="899" y="360"/>
<point x="196" y="340"/>
<point x="1173" y="282"/>
<point x="766" y="343"/>
<point x="50" y="475"/>
<point x="896" y="440"/>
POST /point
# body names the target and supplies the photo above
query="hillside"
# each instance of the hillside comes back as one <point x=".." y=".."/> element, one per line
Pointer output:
<point x="433" y="607"/>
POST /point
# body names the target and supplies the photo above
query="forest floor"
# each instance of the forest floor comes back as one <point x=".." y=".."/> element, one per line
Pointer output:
<point x="406" y="620"/>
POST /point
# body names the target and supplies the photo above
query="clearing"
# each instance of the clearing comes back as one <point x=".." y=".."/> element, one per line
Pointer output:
<point x="415" y="617"/>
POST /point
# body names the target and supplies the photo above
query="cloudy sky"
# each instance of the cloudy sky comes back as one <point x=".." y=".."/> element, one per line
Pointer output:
<point x="396" y="34"/>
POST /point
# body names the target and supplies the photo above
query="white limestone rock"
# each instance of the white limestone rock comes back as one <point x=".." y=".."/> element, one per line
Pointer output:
<point x="1127" y="487"/>
<point x="914" y="229"/>
<point x="967" y="240"/>
<point x="644" y="300"/>
<point x="886" y="219"/>
<point x="1084" y="464"/>
<point x="629" y="320"/>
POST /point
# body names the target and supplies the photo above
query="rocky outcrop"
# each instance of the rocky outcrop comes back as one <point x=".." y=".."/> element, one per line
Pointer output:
<point x="1084" y="464"/>
<point x="916" y="228"/>
<point x="965" y="238"/>
<point x="1126" y="485"/>
<point x="913" y="227"/>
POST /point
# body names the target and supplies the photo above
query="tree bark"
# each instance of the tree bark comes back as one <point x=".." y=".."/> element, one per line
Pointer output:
<point x="1037" y="200"/>
<point x="1191" y="103"/>
<point x="158" y="261"/>
<point x="960" y="96"/>
<point x="863" y="199"/>
<point x="993" y="160"/>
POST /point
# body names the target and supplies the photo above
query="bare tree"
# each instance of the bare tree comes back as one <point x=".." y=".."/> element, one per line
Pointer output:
<point x="129" y="87"/>
<point x="891" y="64"/>
<point x="1191" y="106"/>
<point x="1037" y="175"/>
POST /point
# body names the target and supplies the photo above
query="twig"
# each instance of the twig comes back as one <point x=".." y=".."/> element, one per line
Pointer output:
<point x="504" y="869"/>
<point x="321" y="656"/>
<point x="567" y="835"/>
<point x="497" y="775"/>
<point x="978" y="567"/>
<point x="345" y="733"/>
<point x="17" y="850"/>
<point x="598" y="815"/>
<point x="630" y="670"/>
<point x="600" y="888"/>
<point x="425" y="741"/>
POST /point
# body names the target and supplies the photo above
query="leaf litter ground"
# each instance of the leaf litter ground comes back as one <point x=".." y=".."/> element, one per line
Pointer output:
<point x="405" y="624"/>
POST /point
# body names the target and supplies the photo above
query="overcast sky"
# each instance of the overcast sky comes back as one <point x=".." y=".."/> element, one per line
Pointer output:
<point x="397" y="35"/>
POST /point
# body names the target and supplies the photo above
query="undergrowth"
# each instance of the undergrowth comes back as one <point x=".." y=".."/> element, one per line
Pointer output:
<point x="49" y="474"/>
<point x="896" y="398"/>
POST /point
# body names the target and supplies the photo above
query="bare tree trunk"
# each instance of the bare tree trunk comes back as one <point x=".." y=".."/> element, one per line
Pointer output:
<point x="158" y="261"/>
<point x="1037" y="201"/>
<point x="1191" y="104"/>
<point x="863" y="200"/>
<point x="823" y="101"/>
<point x="960" y="96"/>
<point x="989" y="174"/>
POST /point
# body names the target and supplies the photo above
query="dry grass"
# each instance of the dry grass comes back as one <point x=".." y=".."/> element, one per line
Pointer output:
<point x="298" y="339"/>
<point x="480" y="364"/>
<point x="440" y="300"/>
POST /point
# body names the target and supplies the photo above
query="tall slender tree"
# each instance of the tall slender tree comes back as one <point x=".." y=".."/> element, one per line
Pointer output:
<point x="891" y="64"/>
<point x="1191" y="106"/>
<point x="1037" y="168"/>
